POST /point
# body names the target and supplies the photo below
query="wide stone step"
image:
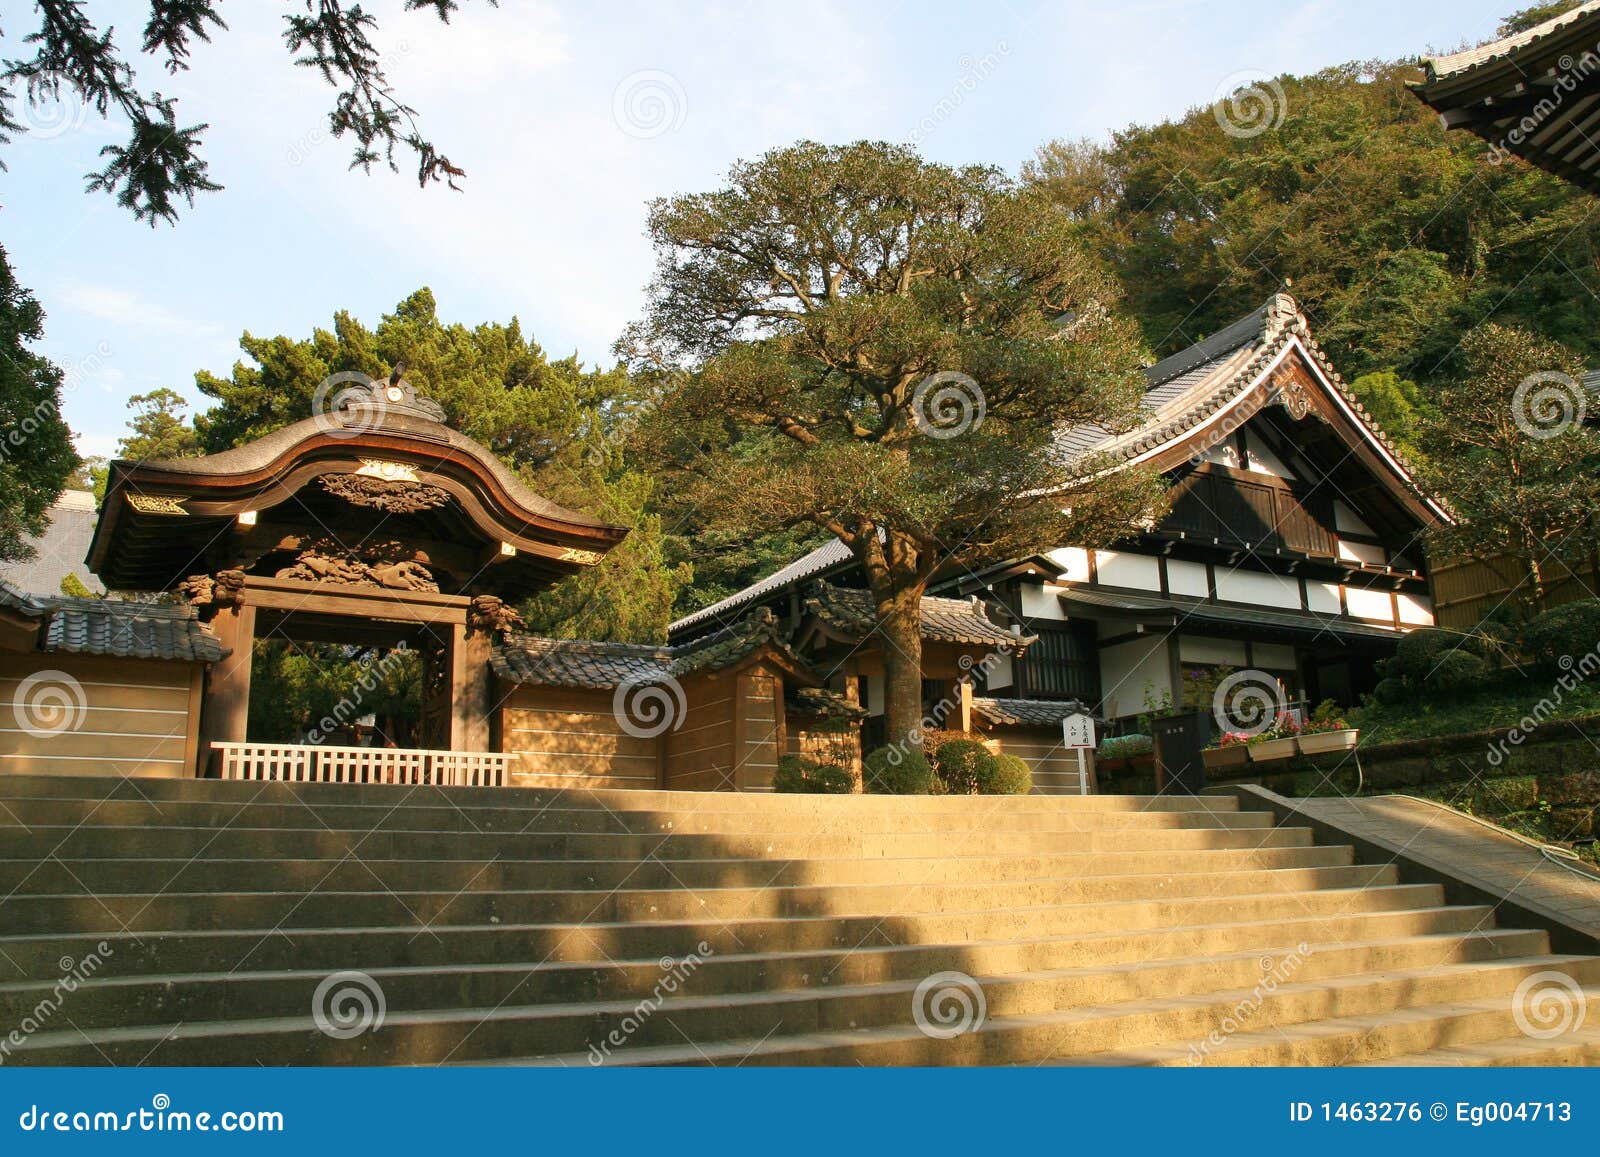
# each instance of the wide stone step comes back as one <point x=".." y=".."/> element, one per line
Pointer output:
<point x="315" y="815"/>
<point x="121" y="788"/>
<point x="141" y="842"/>
<point x="291" y="947"/>
<point x="1456" y="1017"/>
<point x="348" y="874"/>
<point x="1032" y="1016"/>
<point x="478" y="901"/>
<point x="237" y="995"/>
<point x="1431" y="1002"/>
<point x="1578" y="1048"/>
<point x="987" y="908"/>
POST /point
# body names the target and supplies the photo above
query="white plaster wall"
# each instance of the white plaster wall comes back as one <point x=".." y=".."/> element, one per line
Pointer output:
<point x="1264" y="461"/>
<point x="1195" y="649"/>
<point x="1040" y="601"/>
<point x="1073" y="561"/>
<point x="1128" y="669"/>
<point x="1323" y="598"/>
<point x="1369" y="604"/>
<point x="1362" y="552"/>
<point x="1187" y="578"/>
<point x="1119" y="569"/>
<point x="1001" y="673"/>
<point x="1416" y="610"/>
<point x="1270" y="590"/>
<point x="1348" y="520"/>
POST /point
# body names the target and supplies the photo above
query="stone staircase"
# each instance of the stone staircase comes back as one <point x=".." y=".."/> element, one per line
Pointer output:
<point x="203" y="922"/>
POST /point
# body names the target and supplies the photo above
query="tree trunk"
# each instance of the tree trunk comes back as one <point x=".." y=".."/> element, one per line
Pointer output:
<point x="901" y="616"/>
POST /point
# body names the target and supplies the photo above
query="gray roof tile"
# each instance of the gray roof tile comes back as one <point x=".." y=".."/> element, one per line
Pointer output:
<point x="127" y="630"/>
<point x="1027" y="712"/>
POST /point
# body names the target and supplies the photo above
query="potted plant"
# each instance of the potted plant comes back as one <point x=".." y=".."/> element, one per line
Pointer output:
<point x="1232" y="751"/>
<point x="1327" y="735"/>
<point x="1133" y="752"/>
<point x="1276" y="743"/>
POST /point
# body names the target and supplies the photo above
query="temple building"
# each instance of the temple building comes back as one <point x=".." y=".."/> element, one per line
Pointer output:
<point x="1291" y="547"/>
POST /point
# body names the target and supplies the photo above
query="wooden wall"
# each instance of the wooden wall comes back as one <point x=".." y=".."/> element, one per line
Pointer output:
<point x="573" y="738"/>
<point x="699" y="756"/>
<point x="1464" y="592"/>
<point x="813" y="741"/>
<point x="67" y="714"/>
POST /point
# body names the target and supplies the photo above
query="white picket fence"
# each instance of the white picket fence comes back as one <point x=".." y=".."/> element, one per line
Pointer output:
<point x="315" y="763"/>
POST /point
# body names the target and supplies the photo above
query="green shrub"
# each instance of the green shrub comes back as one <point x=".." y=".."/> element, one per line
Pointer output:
<point x="1566" y="632"/>
<point x="799" y="776"/>
<point x="1420" y="652"/>
<point x="1390" y="692"/>
<point x="1012" y="776"/>
<point x="892" y="771"/>
<point x="1125" y="746"/>
<point x="1457" y="671"/>
<point x="963" y="765"/>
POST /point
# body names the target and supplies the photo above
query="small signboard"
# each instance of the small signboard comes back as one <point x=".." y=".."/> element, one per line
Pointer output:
<point x="1078" y="730"/>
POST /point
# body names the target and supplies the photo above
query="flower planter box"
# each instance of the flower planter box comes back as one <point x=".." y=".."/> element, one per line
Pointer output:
<point x="1142" y="764"/>
<point x="1325" y="742"/>
<point x="1271" y="750"/>
<point x="1218" y="758"/>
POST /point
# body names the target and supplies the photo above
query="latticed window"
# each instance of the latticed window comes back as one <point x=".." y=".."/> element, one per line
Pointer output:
<point x="1063" y="664"/>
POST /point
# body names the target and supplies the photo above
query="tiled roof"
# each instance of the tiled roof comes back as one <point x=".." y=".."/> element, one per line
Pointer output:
<point x="960" y="621"/>
<point x="1440" y="67"/>
<point x="829" y="556"/>
<point x="600" y="666"/>
<point x="60" y="550"/>
<point x="127" y="630"/>
<point x="1027" y="712"/>
<point x="15" y="600"/>
<point x="819" y="702"/>
<point x="1250" y="615"/>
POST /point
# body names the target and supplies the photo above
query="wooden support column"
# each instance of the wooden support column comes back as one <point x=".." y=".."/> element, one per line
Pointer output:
<point x="964" y="698"/>
<point x="471" y="689"/>
<point x="225" y="712"/>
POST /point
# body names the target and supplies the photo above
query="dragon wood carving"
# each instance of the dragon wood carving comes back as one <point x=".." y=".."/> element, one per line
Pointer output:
<point x="389" y="566"/>
<point x="392" y="496"/>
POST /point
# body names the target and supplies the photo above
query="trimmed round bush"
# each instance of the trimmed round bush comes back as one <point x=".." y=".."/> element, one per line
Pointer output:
<point x="1566" y="632"/>
<point x="963" y="766"/>
<point x="1389" y="692"/>
<point x="1457" y="671"/>
<point x="1012" y="776"/>
<point x="894" y="771"/>
<point x="799" y="776"/>
<point x="1419" y="653"/>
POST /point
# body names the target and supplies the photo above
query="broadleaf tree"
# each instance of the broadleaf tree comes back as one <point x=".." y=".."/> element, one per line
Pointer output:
<point x="36" y="454"/>
<point x="1508" y="449"/>
<point x="853" y="339"/>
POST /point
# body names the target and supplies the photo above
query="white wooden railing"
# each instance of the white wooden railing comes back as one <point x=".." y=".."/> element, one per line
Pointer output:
<point x="316" y="763"/>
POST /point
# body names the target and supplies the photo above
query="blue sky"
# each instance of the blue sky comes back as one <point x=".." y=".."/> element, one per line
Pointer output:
<point x="550" y="107"/>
